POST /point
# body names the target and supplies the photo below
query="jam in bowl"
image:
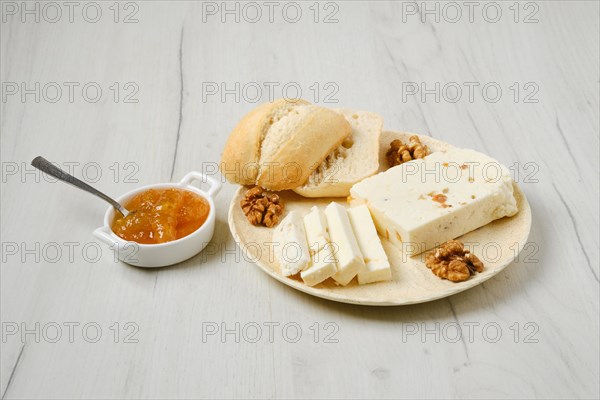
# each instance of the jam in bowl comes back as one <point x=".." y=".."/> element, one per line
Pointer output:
<point x="161" y="215"/>
<point x="168" y="223"/>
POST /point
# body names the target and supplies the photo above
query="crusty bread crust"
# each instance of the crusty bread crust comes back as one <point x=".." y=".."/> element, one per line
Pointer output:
<point x="239" y="162"/>
<point x="299" y="147"/>
<point x="320" y="131"/>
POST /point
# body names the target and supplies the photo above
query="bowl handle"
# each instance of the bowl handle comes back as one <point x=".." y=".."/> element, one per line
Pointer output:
<point x="103" y="233"/>
<point x="215" y="185"/>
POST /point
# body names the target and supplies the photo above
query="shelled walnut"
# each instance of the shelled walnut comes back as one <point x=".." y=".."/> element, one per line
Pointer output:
<point x="400" y="153"/>
<point x="453" y="262"/>
<point x="261" y="207"/>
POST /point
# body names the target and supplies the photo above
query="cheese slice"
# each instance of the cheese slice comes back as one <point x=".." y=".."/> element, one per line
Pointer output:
<point x="292" y="254"/>
<point x="322" y="260"/>
<point x="316" y="230"/>
<point x="377" y="267"/>
<point x="322" y="266"/>
<point x="346" y="251"/>
<point x="422" y="203"/>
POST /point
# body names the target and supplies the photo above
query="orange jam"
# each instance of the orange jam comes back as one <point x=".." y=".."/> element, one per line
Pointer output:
<point x="161" y="215"/>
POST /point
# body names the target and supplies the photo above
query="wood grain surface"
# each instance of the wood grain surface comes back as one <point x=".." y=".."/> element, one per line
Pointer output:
<point x="143" y="92"/>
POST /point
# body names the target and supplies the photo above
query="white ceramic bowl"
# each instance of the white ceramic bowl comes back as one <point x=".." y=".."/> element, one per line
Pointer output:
<point x="163" y="254"/>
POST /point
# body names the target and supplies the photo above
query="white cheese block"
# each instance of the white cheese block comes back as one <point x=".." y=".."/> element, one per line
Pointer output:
<point x="347" y="253"/>
<point x="422" y="203"/>
<point x="292" y="252"/>
<point x="322" y="266"/>
<point x="377" y="267"/>
<point x="316" y="230"/>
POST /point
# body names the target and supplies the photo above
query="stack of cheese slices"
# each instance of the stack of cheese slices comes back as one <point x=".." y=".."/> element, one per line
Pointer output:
<point x="332" y="243"/>
<point x="319" y="152"/>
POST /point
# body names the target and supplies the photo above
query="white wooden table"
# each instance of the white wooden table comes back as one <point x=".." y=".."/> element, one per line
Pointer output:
<point x="146" y="91"/>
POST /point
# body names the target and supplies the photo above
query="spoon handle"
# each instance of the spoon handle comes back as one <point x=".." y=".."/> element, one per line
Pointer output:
<point x="46" y="166"/>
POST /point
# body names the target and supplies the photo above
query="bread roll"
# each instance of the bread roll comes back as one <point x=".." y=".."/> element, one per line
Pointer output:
<point x="354" y="160"/>
<point x="278" y="145"/>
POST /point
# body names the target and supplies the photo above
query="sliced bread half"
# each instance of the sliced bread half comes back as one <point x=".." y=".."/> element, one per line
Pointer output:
<point x="354" y="160"/>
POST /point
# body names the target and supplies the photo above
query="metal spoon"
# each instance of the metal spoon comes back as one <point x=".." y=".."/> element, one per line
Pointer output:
<point x="46" y="166"/>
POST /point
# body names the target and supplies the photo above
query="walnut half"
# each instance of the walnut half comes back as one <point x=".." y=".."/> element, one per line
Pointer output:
<point x="453" y="262"/>
<point x="400" y="153"/>
<point x="261" y="207"/>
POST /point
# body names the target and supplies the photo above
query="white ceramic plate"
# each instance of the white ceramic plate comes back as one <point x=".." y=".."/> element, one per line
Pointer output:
<point x="496" y="244"/>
